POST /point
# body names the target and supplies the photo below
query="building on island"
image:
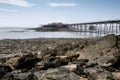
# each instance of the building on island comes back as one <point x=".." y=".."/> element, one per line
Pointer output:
<point x="53" y="27"/>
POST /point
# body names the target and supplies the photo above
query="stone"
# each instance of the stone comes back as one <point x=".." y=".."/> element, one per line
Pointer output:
<point x="70" y="67"/>
<point x="93" y="70"/>
<point x="5" y="72"/>
<point x="90" y="64"/>
<point x="7" y="76"/>
<point x="53" y="74"/>
<point x="104" y="51"/>
<point x="63" y="48"/>
<point x="20" y="76"/>
<point x="116" y="75"/>
<point x="81" y="62"/>
<point x="12" y="61"/>
<point x="26" y="62"/>
<point x="81" y="78"/>
<point x="105" y="75"/>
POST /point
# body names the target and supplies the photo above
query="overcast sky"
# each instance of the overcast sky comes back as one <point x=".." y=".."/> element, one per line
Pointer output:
<point x="32" y="13"/>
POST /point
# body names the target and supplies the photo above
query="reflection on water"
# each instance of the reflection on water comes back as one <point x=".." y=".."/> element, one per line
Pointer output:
<point x="22" y="33"/>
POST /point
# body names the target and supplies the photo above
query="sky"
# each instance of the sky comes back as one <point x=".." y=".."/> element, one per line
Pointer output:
<point x="32" y="13"/>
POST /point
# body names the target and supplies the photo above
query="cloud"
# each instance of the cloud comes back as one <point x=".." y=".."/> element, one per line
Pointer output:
<point x="7" y="10"/>
<point x="22" y="3"/>
<point x="52" y="4"/>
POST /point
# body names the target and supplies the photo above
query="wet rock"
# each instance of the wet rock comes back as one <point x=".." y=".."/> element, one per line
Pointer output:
<point x="26" y="62"/>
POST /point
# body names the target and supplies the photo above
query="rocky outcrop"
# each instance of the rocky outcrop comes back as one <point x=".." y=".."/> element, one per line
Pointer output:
<point x="61" y="59"/>
<point x="104" y="51"/>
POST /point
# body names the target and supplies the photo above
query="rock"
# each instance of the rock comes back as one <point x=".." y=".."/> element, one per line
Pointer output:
<point x="7" y="76"/>
<point x="81" y="62"/>
<point x="55" y="63"/>
<point x="20" y="76"/>
<point x="80" y="70"/>
<point x="81" y="78"/>
<point x="63" y="48"/>
<point x="71" y="59"/>
<point x="53" y="74"/>
<point x="82" y="55"/>
<point x="105" y="75"/>
<point x="70" y="67"/>
<point x="47" y="65"/>
<point x="93" y="70"/>
<point x="80" y="66"/>
<point x="26" y="62"/>
<point x="62" y="57"/>
<point x="12" y="61"/>
<point x="4" y="69"/>
<point x="46" y="53"/>
<point x="116" y="75"/>
<point x="90" y="64"/>
<point x="104" y="51"/>
<point x="2" y="60"/>
<point x="5" y="72"/>
<point x="52" y="62"/>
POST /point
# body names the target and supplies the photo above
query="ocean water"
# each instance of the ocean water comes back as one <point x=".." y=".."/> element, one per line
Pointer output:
<point x="22" y="33"/>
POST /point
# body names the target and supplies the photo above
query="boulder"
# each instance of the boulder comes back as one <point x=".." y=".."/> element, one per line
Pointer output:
<point x="104" y="51"/>
<point x="27" y="62"/>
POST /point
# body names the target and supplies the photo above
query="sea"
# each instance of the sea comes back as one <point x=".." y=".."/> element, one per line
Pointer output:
<point x="24" y="33"/>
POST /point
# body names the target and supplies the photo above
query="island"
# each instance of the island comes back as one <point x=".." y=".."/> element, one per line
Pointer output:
<point x="53" y="27"/>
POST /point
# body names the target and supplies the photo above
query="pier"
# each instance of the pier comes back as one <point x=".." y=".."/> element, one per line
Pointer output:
<point x="100" y="27"/>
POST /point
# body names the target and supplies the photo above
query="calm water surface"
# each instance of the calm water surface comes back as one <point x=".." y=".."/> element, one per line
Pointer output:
<point x="22" y="33"/>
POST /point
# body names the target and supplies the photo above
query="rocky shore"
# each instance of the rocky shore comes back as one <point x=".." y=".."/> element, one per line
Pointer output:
<point x="60" y="59"/>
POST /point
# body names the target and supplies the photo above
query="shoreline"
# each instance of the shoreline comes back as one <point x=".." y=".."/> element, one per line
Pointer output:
<point x="66" y="59"/>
